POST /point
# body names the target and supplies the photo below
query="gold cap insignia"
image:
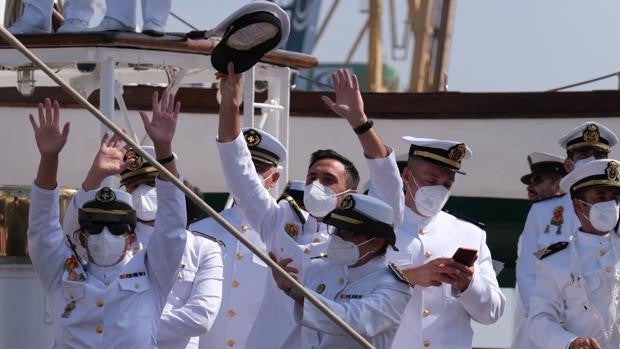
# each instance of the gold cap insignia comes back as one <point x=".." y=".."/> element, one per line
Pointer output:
<point x="252" y="138"/>
<point x="320" y="288"/>
<point x="105" y="194"/>
<point x="133" y="159"/>
<point x="591" y="134"/>
<point x="612" y="171"/>
<point x="347" y="203"/>
<point x="457" y="152"/>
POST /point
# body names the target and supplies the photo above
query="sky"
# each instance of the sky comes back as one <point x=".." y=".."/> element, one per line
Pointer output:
<point x="498" y="45"/>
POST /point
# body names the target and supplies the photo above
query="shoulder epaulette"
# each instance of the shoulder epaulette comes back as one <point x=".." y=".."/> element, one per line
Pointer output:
<point x="295" y="207"/>
<point x="400" y="276"/>
<point x="551" y="249"/>
<point x="548" y="198"/>
<point x="212" y="238"/>
<point x="473" y="221"/>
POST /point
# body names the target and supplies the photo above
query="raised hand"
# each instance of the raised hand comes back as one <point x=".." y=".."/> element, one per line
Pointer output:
<point x="349" y="103"/>
<point x="162" y="125"/>
<point x="230" y="86"/>
<point x="107" y="162"/>
<point x="585" y="343"/>
<point x="435" y="272"/>
<point x="50" y="140"/>
<point x="281" y="282"/>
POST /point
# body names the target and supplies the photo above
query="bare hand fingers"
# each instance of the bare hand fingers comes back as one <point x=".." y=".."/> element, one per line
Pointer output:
<point x="33" y="123"/>
<point x="56" y="113"/>
<point x="356" y="84"/>
<point x="48" y="111"/>
<point x="40" y="107"/>
<point x="230" y="67"/>
<point x="65" y="131"/>
<point x="155" y="102"/>
<point x="177" y="109"/>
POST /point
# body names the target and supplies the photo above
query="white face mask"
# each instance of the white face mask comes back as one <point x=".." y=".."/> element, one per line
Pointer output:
<point x="603" y="215"/>
<point x="582" y="162"/>
<point x="144" y="199"/>
<point x="105" y="249"/>
<point x="319" y="200"/>
<point x="343" y="252"/>
<point x="429" y="199"/>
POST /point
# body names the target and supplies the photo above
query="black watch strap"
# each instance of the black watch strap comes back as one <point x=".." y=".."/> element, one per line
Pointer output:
<point x="363" y="128"/>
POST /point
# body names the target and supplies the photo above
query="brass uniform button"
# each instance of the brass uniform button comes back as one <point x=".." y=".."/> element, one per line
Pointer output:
<point x="137" y="286"/>
<point x="231" y="313"/>
<point x="230" y="343"/>
<point x="422" y="232"/>
<point x="618" y="321"/>
<point x="341" y="281"/>
<point x="100" y="303"/>
<point x="426" y="313"/>
<point x="609" y="269"/>
<point x="427" y="343"/>
<point x="245" y="227"/>
<point x="239" y="256"/>
<point x="601" y="253"/>
<point x="235" y="284"/>
<point x="99" y="329"/>
<point x="307" y="250"/>
<point x="428" y="254"/>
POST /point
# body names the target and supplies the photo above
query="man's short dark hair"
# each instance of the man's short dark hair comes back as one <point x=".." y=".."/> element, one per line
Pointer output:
<point x="353" y="177"/>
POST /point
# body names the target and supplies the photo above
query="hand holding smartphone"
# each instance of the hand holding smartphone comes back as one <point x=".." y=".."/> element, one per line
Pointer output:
<point x="465" y="256"/>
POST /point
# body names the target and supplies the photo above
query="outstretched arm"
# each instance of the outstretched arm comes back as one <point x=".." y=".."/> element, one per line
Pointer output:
<point x="229" y="125"/>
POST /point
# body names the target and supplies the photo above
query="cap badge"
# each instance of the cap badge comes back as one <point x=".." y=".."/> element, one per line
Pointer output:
<point x="133" y="159"/>
<point x="457" y="152"/>
<point x="347" y="203"/>
<point x="591" y="134"/>
<point x="105" y="194"/>
<point x="612" y="171"/>
<point x="320" y="288"/>
<point x="252" y="138"/>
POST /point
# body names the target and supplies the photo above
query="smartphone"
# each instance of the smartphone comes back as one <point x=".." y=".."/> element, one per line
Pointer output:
<point x="465" y="256"/>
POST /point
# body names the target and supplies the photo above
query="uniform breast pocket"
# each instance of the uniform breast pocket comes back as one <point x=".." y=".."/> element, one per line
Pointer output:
<point x="574" y="301"/>
<point x="182" y="287"/>
<point x="72" y="305"/>
<point x="136" y="297"/>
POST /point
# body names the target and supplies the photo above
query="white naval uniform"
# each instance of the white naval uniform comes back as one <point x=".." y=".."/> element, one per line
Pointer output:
<point x="557" y="297"/>
<point x="193" y="303"/>
<point x="435" y="317"/>
<point x="117" y="310"/>
<point x="268" y="217"/>
<point x="375" y="315"/>
<point x="540" y="231"/>
<point x="245" y="276"/>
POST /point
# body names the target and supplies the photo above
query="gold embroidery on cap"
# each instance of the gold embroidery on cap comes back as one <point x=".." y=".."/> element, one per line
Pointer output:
<point x="591" y="134"/>
<point x="252" y="138"/>
<point x="612" y="171"/>
<point x="133" y="159"/>
<point x="457" y="152"/>
<point x="105" y="195"/>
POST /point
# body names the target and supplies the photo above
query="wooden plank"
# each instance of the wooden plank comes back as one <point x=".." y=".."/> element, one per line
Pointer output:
<point x="173" y="42"/>
<point x="451" y="105"/>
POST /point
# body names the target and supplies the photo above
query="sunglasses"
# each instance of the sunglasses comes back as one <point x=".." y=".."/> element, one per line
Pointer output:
<point x="97" y="228"/>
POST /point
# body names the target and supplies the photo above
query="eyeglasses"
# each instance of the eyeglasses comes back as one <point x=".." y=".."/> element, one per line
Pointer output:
<point x="93" y="228"/>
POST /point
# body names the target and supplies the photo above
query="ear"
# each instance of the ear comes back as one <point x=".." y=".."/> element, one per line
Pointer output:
<point x="131" y="239"/>
<point x="275" y="177"/>
<point x="580" y="207"/>
<point x="569" y="166"/>
<point x="82" y="239"/>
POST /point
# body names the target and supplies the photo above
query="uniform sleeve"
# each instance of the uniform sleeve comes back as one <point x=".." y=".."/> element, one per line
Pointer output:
<point x="546" y="307"/>
<point x="46" y="244"/>
<point x="70" y="220"/>
<point x="526" y="261"/>
<point x="167" y="243"/>
<point x="246" y="186"/>
<point x="197" y="315"/>
<point x="483" y="299"/>
<point x="387" y="185"/>
<point x="369" y="316"/>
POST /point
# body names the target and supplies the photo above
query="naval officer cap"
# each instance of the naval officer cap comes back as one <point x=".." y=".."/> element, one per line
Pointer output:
<point x="597" y="173"/>
<point x="363" y="214"/>
<point x="543" y="163"/>
<point x="248" y="34"/>
<point x="264" y="147"/>
<point x="589" y="134"/>
<point x="137" y="168"/>
<point x="107" y="205"/>
<point x="445" y="153"/>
